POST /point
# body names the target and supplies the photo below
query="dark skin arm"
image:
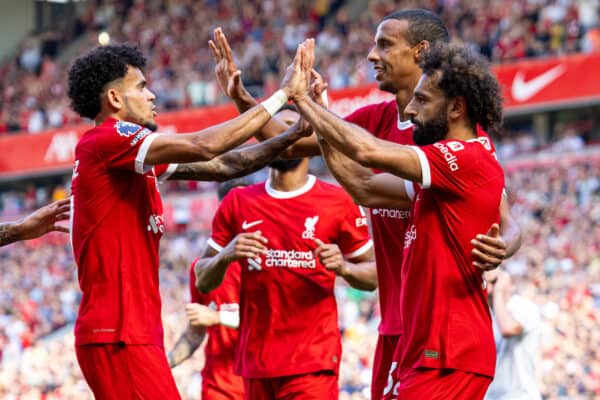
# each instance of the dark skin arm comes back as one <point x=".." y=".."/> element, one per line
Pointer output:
<point x="229" y="79"/>
<point x="239" y="162"/>
<point x="186" y="345"/>
<point x="360" y="272"/>
<point x="211" y="268"/>
<point x="210" y="142"/>
<point x="37" y="223"/>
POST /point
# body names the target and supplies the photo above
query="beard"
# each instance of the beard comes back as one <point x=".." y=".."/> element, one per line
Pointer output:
<point x="429" y="132"/>
<point x="283" y="165"/>
<point x="151" y="125"/>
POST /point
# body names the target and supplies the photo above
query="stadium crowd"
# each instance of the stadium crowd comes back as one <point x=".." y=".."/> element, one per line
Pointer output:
<point x="264" y="35"/>
<point x="553" y="205"/>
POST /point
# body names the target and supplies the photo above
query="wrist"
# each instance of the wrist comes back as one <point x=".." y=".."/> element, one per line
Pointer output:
<point x="275" y="102"/>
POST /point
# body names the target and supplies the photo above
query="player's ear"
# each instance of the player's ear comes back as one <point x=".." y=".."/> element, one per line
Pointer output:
<point x="114" y="98"/>
<point x="457" y="108"/>
<point x="420" y="49"/>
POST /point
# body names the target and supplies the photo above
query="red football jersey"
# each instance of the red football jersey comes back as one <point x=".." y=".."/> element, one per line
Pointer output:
<point x="445" y="312"/>
<point x="116" y="224"/>
<point x="387" y="225"/>
<point x="222" y="341"/>
<point x="288" y="314"/>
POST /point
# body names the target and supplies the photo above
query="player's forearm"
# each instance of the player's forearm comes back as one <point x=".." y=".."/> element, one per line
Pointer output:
<point x="361" y="276"/>
<point x="509" y="229"/>
<point x="210" y="272"/>
<point x="238" y="162"/>
<point x="507" y="324"/>
<point x="227" y="135"/>
<point x="186" y="345"/>
<point x="352" y="176"/>
<point x="10" y="232"/>
<point x="353" y="141"/>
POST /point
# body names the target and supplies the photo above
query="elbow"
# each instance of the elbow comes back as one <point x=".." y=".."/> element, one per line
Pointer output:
<point x="202" y="286"/>
<point x="203" y="150"/>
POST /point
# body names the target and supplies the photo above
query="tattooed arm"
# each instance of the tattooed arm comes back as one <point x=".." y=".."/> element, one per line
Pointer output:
<point x="186" y="345"/>
<point x="36" y="224"/>
<point x="241" y="161"/>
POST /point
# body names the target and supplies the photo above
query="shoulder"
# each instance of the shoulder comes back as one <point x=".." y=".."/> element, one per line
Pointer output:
<point x="387" y="107"/>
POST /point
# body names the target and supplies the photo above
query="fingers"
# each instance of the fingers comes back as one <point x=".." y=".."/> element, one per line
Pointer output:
<point x="63" y="208"/>
<point x="224" y="45"/>
<point x="215" y="51"/>
<point x="59" y="228"/>
<point x="63" y="202"/>
<point x="491" y="247"/>
<point x="63" y="217"/>
<point x="309" y="54"/>
<point x="485" y="261"/>
<point x="484" y="267"/>
<point x="249" y="245"/>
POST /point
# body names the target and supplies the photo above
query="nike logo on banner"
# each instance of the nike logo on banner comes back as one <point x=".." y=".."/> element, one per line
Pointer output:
<point x="248" y="225"/>
<point x="523" y="91"/>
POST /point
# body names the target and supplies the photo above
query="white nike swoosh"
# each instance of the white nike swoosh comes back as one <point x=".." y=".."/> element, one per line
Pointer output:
<point x="523" y="91"/>
<point x="248" y="225"/>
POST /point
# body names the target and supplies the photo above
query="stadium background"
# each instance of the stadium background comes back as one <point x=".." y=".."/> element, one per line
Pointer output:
<point x="546" y="54"/>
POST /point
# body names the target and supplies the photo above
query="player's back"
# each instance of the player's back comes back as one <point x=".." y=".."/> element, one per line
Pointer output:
<point x="116" y="226"/>
<point x="445" y="314"/>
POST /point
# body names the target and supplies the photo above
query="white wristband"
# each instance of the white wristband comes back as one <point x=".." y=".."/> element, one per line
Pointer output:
<point x="325" y="99"/>
<point x="230" y="319"/>
<point x="275" y="102"/>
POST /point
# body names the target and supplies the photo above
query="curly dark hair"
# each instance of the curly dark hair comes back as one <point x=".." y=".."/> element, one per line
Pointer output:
<point x="90" y="74"/>
<point x="467" y="74"/>
<point x="423" y="25"/>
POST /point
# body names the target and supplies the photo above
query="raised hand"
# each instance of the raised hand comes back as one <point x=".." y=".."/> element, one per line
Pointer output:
<point x="227" y="73"/>
<point x="489" y="250"/>
<point x="317" y="88"/>
<point x="296" y="81"/>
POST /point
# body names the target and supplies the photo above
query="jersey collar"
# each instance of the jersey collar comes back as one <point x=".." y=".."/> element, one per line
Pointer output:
<point x="402" y="125"/>
<point x="278" y="194"/>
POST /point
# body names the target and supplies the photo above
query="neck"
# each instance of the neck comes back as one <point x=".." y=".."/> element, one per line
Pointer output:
<point x="288" y="181"/>
<point x="461" y="130"/>
<point x="405" y="94"/>
<point x="100" y="118"/>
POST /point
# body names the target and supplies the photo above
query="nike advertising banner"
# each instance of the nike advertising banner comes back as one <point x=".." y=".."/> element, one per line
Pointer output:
<point x="528" y="86"/>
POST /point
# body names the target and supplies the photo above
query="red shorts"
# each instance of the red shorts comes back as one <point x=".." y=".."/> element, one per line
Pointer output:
<point x="219" y="382"/>
<point x="384" y="355"/>
<point x="440" y="384"/>
<point x="123" y="372"/>
<point x="321" y="385"/>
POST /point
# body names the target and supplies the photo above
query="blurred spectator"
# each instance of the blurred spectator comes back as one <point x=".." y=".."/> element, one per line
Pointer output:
<point x="264" y="34"/>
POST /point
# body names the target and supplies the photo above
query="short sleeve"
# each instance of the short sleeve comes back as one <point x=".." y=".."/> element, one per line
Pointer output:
<point x="445" y="165"/>
<point x="353" y="235"/>
<point x="125" y="145"/>
<point x="195" y="295"/>
<point x="164" y="171"/>
<point x="223" y="223"/>
<point x="525" y="312"/>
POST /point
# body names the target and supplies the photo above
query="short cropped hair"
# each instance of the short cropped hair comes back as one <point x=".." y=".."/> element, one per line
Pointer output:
<point x="422" y="25"/>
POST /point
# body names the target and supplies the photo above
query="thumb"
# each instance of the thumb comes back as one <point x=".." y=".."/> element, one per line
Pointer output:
<point x="494" y="230"/>
<point x="320" y="246"/>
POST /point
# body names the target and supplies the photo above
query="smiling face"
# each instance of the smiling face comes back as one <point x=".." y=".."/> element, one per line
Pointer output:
<point x="133" y="100"/>
<point x="428" y="111"/>
<point x="394" y="59"/>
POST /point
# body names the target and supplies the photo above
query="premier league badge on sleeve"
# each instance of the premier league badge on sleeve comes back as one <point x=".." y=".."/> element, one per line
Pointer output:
<point x="127" y="129"/>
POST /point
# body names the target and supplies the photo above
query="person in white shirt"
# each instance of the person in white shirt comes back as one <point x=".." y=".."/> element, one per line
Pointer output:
<point x="516" y="322"/>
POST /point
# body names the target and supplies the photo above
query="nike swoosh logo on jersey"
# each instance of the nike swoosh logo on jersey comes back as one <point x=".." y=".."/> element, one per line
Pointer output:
<point x="248" y="225"/>
<point x="523" y="91"/>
